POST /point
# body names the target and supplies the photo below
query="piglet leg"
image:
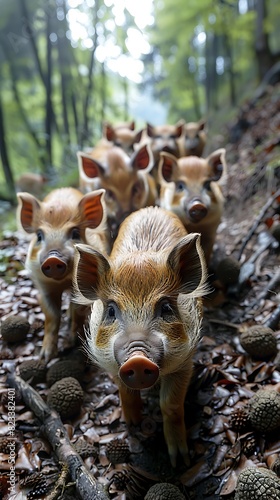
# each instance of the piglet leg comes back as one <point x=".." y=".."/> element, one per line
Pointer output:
<point x="172" y="396"/>
<point x="51" y="307"/>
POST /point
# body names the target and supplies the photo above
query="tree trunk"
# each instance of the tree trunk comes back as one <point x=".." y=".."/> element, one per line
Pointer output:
<point x="4" y="153"/>
<point x="230" y="70"/>
<point x="103" y="97"/>
<point x="126" y="99"/>
<point x="264" y="56"/>
<point x="24" y="116"/>
<point x="85" y="132"/>
<point x="64" y="79"/>
<point x="48" y="117"/>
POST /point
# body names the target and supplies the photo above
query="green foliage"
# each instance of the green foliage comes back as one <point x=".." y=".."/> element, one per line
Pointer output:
<point x="77" y="88"/>
<point x="188" y="80"/>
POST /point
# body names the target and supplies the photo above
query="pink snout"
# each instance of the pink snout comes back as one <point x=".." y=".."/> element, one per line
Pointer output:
<point x="54" y="267"/>
<point x="197" y="210"/>
<point x="139" y="372"/>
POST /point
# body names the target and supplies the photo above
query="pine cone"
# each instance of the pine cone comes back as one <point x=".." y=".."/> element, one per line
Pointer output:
<point x="239" y="420"/>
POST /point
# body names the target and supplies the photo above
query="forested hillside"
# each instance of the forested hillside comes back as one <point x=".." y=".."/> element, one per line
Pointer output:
<point x="67" y="76"/>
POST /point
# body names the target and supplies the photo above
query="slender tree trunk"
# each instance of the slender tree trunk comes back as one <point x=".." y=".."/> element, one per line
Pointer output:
<point x="264" y="56"/>
<point x="126" y="99"/>
<point x="63" y="79"/>
<point x="103" y="97"/>
<point x="75" y="115"/>
<point x="31" y="36"/>
<point x="210" y="70"/>
<point x="4" y="153"/>
<point x="85" y="132"/>
<point x="48" y="117"/>
<point x="230" y="70"/>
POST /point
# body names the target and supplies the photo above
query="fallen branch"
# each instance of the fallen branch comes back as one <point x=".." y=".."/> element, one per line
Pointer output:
<point x="257" y="222"/>
<point x="266" y="292"/>
<point x="273" y="320"/>
<point x="86" y="485"/>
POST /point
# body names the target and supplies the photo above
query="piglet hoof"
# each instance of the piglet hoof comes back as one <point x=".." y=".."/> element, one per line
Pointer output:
<point x="139" y="372"/>
<point x="48" y="353"/>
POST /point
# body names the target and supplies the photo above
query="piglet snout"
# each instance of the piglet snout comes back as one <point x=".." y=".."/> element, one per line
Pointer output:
<point x="196" y="210"/>
<point x="53" y="266"/>
<point x="139" y="372"/>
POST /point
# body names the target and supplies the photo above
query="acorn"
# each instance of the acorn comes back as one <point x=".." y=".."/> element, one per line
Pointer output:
<point x="66" y="397"/>
<point x="33" y="371"/>
<point x="117" y="451"/>
<point x="15" y="329"/>
<point x="228" y="271"/>
<point x="65" y="368"/>
<point x="259" y="341"/>
<point x="264" y="410"/>
<point x="164" y="491"/>
<point x="257" y="483"/>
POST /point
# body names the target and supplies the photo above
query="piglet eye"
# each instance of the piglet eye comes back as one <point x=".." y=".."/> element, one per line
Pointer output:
<point x="111" y="312"/>
<point x="166" y="311"/>
<point x="109" y="195"/>
<point x="75" y="233"/>
<point x="207" y="185"/>
<point x="180" y="186"/>
<point x="136" y="189"/>
<point x="40" y="236"/>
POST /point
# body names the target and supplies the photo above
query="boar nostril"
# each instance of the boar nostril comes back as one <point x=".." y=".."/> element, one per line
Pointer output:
<point x="197" y="211"/>
<point x="53" y="267"/>
<point x="139" y="372"/>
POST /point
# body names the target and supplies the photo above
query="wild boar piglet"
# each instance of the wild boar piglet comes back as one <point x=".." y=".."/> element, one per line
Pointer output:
<point x="65" y="217"/>
<point x="146" y="313"/>
<point x="191" y="187"/>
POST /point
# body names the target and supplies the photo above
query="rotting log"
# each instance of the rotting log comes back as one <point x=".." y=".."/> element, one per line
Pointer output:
<point x="86" y="485"/>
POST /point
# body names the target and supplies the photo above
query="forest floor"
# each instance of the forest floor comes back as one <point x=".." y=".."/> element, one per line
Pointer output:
<point x="225" y="375"/>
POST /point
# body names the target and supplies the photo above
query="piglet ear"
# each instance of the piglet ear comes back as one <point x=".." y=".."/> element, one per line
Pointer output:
<point x="187" y="262"/>
<point x="93" y="208"/>
<point x="89" y="166"/>
<point x="217" y="164"/>
<point x="201" y="124"/>
<point x="138" y="136"/>
<point x="27" y="207"/>
<point x="180" y="128"/>
<point x="150" y="130"/>
<point x="89" y="266"/>
<point x="167" y="167"/>
<point x="142" y="159"/>
<point x="108" y="132"/>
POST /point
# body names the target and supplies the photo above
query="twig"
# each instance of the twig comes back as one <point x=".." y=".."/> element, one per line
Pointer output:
<point x="86" y="485"/>
<point x="273" y="320"/>
<point x="257" y="222"/>
<point x="270" y="288"/>
<point x="224" y="323"/>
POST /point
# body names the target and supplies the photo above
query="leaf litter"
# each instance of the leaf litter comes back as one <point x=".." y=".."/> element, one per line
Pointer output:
<point x="222" y="441"/>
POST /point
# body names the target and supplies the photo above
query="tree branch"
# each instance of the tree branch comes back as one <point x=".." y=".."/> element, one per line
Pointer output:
<point x="53" y="428"/>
